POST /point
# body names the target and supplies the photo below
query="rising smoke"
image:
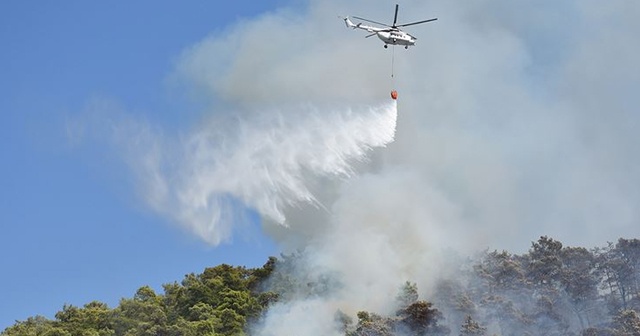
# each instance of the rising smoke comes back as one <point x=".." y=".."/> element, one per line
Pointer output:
<point x="515" y="120"/>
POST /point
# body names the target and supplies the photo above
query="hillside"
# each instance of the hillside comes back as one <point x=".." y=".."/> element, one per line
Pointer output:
<point x="552" y="290"/>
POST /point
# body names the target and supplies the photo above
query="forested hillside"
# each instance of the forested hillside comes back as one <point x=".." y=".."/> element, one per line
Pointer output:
<point x="219" y="301"/>
<point x="550" y="290"/>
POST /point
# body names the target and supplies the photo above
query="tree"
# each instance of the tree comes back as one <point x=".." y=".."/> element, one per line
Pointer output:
<point x="456" y="299"/>
<point x="408" y="294"/>
<point x="370" y="324"/>
<point x="544" y="261"/>
<point x="231" y="323"/>
<point x="139" y="317"/>
<point x="56" y="331"/>
<point x="93" y="319"/>
<point x="593" y="331"/>
<point x="626" y="323"/>
<point x="33" y="326"/>
<point x="579" y="280"/>
<point x="620" y="266"/>
<point x="471" y="327"/>
<point x="508" y="316"/>
<point x="500" y="271"/>
<point x="415" y="315"/>
<point x="420" y="318"/>
<point x="260" y="275"/>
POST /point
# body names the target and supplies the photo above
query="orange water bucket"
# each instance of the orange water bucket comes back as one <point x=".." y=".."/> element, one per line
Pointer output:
<point x="394" y="94"/>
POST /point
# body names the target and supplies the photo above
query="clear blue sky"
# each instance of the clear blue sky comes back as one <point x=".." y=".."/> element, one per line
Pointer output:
<point x="71" y="228"/>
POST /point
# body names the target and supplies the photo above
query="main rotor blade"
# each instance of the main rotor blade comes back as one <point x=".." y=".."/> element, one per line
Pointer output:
<point x="415" y="23"/>
<point x="395" y="17"/>
<point x="363" y="19"/>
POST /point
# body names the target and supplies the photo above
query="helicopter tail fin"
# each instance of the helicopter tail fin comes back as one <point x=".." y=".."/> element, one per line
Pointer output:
<point x="348" y="22"/>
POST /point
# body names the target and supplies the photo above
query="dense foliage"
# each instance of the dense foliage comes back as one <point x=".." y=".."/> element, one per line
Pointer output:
<point x="220" y="301"/>
<point x="550" y="290"/>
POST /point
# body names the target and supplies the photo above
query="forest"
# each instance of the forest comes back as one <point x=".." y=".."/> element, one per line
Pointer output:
<point x="551" y="289"/>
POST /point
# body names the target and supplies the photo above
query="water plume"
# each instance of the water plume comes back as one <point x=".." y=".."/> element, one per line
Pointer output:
<point x="266" y="162"/>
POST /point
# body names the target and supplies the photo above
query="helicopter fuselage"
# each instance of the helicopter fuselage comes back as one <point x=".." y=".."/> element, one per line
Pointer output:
<point x="396" y="38"/>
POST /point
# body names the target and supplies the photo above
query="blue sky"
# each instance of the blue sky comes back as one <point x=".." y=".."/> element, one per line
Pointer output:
<point x="72" y="229"/>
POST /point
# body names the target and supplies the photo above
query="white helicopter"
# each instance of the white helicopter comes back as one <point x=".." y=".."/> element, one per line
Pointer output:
<point x="391" y="35"/>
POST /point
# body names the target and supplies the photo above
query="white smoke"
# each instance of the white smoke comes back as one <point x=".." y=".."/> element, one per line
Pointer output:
<point x="385" y="228"/>
<point x="312" y="316"/>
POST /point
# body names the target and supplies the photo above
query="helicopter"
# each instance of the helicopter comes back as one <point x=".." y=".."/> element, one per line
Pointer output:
<point x="390" y="35"/>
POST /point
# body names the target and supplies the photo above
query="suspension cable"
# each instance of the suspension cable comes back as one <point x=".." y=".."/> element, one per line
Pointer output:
<point x="393" y="54"/>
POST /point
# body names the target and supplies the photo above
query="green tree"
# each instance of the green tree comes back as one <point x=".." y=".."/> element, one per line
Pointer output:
<point x="33" y="326"/>
<point x="142" y="315"/>
<point x="421" y="318"/>
<point x="231" y="322"/>
<point x="93" y="319"/>
<point x="370" y="324"/>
